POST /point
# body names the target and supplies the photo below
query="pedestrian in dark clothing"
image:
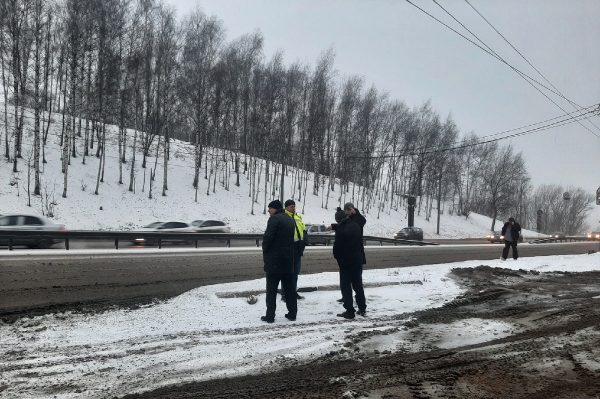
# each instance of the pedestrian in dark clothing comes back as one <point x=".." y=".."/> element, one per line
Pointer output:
<point x="511" y="232"/>
<point x="278" y="255"/>
<point x="355" y="216"/>
<point x="359" y="219"/>
<point x="347" y="250"/>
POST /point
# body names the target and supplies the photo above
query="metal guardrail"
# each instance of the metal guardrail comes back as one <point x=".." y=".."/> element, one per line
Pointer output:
<point x="159" y="238"/>
<point x="560" y="239"/>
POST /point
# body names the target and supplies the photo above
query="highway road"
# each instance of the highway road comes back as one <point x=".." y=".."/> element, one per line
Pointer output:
<point x="46" y="280"/>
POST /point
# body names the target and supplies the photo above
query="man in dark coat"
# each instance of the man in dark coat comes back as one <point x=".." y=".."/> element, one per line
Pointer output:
<point x="278" y="255"/>
<point x="348" y="251"/>
<point x="360" y="220"/>
<point x="511" y="232"/>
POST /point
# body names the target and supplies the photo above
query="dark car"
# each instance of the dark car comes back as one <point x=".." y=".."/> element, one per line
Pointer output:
<point x="410" y="233"/>
<point x="495" y="236"/>
<point x="32" y="223"/>
<point x="210" y="226"/>
<point x="319" y="234"/>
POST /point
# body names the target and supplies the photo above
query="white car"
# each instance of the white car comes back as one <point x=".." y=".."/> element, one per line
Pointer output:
<point x="163" y="227"/>
<point x="319" y="234"/>
<point x="29" y="223"/>
<point x="210" y="226"/>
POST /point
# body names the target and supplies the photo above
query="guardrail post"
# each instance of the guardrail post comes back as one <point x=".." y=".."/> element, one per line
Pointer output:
<point x="159" y="243"/>
<point x="10" y="244"/>
<point x="257" y="243"/>
<point x="116" y="243"/>
<point x="67" y="243"/>
<point x="228" y="243"/>
<point x="196" y="243"/>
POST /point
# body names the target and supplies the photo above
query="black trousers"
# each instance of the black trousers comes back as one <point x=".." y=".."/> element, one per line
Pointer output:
<point x="507" y="246"/>
<point x="287" y="283"/>
<point x="351" y="279"/>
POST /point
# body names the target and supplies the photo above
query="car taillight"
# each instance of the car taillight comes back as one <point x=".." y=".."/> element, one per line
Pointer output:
<point x="62" y="228"/>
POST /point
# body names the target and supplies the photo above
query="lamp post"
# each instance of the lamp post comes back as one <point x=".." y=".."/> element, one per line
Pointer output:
<point x="412" y="201"/>
<point x="566" y="198"/>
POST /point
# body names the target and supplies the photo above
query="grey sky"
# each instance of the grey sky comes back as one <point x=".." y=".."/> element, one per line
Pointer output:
<point x="405" y="53"/>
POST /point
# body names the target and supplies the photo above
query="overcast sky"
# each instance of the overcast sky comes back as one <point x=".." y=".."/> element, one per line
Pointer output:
<point x="403" y="52"/>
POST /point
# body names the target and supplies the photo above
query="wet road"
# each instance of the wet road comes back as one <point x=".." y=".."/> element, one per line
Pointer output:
<point x="50" y="279"/>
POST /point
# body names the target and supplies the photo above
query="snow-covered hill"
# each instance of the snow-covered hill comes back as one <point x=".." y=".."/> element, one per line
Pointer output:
<point x="117" y="208"/>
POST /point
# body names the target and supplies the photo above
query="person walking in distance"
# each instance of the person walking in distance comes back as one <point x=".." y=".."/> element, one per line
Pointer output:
<point x="278" y="255"/>
<point x="347" y="250"/>
<point x="299" y="244"/>
<point x="511" y="232"/>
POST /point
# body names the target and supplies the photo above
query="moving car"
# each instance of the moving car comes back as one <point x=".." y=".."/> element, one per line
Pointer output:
<point x="410" y="233"/>
<point x="210" y="226"/>
<point x="496" y="236"/>
<point x="558" y="234"/>
<point x="163" y="227"/>
<point x="29" y="222"/>
<point x="593" y="235"/>
<point x="318" y="234"/>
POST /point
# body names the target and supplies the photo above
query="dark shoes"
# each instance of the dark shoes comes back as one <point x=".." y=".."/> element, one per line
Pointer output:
<point x="362" y="313"/>
<point x="346" y="315"/>
<point x="267" y="319"/>
<point x="290" y="317"/>
<point x="341" y="300"/>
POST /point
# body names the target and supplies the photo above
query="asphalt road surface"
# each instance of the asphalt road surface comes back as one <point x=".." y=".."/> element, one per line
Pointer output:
<point x="49" y="280"/>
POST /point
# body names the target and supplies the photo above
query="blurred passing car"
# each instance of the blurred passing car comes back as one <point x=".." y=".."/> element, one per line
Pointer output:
<point x="318" y="234"/>
<point x="558" y="234"/>
<point x="593" y="235"/>
<point x="163" y="227"/>
<point x="496" y="236"/>
<point x="410" y="233"/>
<point x="210" y="226"/>
<point x="32" y="223"/>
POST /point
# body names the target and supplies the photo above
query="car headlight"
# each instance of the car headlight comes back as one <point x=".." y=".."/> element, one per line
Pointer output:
<point x="140" y="240"/>
<point x="502" y="237"/>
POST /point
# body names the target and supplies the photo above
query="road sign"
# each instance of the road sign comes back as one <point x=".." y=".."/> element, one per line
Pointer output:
<point x="598" y="196"/>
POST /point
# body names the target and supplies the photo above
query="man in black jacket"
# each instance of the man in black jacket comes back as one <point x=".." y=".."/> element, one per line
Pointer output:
<point x="511" y="232"/>
<point x="278" y="255"/>
<point x="348" y="251"/>
<point x="359" y="219"/>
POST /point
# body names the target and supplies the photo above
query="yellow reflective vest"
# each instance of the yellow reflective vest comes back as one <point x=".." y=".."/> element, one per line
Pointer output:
<point x="299" y="223"/>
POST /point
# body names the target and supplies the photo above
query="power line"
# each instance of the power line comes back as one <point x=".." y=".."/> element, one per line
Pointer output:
<point x="543" y="126"/>
<point x="574" y="104"/>
<point x="527" y="78"/>
<point x="575" y="116"/>
<point x="521" y="74"/>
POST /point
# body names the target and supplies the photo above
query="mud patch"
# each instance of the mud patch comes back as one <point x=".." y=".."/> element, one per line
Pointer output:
<point x="522" y="334"/>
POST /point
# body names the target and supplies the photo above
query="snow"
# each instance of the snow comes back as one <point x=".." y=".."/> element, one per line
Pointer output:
<point x="212" y="332"/>
<point x="116" y="208"/>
